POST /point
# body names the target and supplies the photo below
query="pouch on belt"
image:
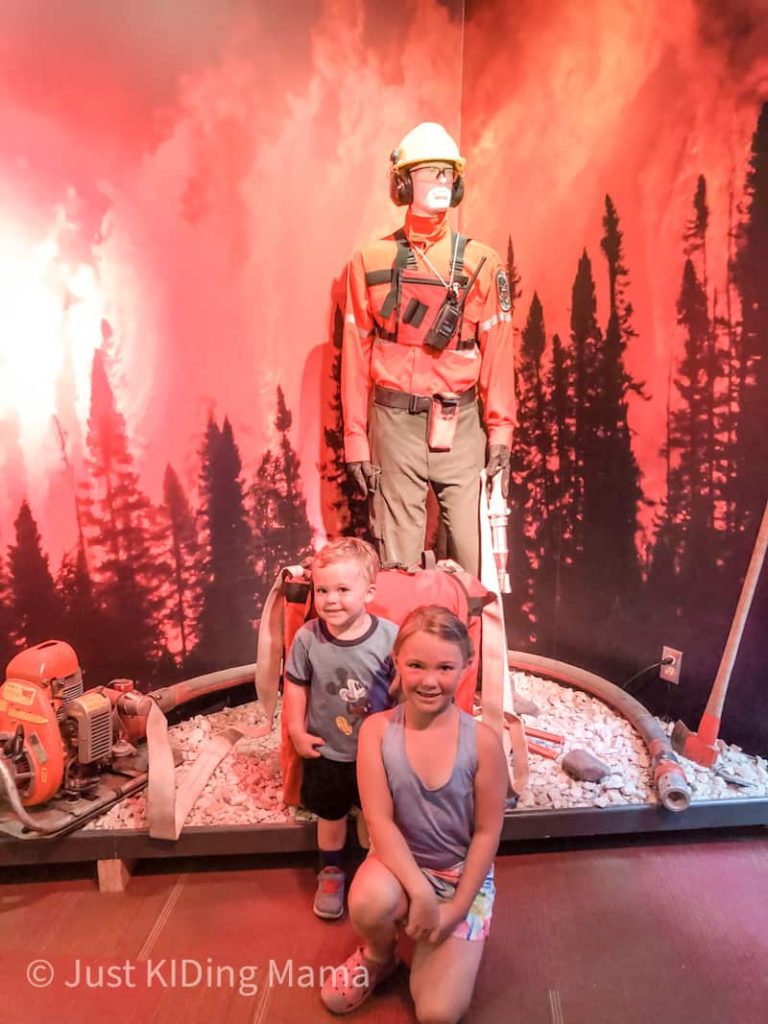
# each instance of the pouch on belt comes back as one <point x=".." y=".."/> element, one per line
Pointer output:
<point x="443" y="420"/>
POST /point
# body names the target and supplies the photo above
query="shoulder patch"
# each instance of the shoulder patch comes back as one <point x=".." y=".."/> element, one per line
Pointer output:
<point x="502" y="285"/>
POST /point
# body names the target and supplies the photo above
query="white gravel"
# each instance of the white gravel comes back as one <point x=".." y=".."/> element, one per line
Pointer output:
<point x="587" y="723"/>
<point x="246" y="788"/>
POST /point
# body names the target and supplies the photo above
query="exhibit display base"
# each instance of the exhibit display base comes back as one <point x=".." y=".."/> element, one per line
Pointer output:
<point x="299" y="836"/>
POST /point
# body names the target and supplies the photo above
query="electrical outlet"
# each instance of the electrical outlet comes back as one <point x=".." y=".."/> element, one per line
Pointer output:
<point x="671" y="672"/>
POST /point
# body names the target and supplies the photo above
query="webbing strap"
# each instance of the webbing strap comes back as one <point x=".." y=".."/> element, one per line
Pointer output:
<point x="269" y="650"/>
<point x="168" y="807"/>
<point x="406" y="257"/>
<point x="496" y="692"/>
<point x="402" y="258"/>
<point x="458" y="245"/>
<point x="378" y="276"/>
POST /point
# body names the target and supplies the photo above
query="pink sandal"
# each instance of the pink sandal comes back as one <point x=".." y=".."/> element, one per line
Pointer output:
<point x="350" y="984"/>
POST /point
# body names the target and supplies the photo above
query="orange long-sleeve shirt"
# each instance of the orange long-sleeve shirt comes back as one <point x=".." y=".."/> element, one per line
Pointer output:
<point x="370" y="358"/>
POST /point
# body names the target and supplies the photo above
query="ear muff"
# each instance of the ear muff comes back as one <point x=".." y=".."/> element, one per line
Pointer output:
<point x="400" y="188"/>
<point x="457" y="192"/>
<point x="400" y="184"/>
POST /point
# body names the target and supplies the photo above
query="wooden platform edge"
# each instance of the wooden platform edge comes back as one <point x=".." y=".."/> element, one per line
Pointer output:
<point x="299" y="837"/>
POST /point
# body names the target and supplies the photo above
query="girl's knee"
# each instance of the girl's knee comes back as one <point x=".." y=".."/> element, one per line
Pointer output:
<point x="437" y="1003"/>
<point x="432" y="1011"/>
<point x="376" y="895"/>
<point x="371" y="904"/>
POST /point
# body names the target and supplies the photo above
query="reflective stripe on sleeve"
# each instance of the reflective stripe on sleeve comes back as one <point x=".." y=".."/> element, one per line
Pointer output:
<point x="497" y="318"/>
<point x="350" y="319"/>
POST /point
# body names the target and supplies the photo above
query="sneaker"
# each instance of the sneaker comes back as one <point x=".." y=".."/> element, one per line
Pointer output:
<point x="329" y="898"/>
<point x="350" y="984"/>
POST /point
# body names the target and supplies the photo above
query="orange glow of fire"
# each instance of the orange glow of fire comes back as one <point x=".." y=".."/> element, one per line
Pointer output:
<point x="50" y="316"/>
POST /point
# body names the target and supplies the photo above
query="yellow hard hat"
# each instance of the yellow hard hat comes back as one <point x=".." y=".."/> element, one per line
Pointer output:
<point x="427" y="141"/>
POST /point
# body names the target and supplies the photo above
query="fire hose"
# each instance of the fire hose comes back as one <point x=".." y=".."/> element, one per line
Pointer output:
<point x="671" y="784"/>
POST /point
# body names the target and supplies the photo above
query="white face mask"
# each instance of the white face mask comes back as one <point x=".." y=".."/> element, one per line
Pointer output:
<point x="430" y="196"/>
<point x="429" y="199"/>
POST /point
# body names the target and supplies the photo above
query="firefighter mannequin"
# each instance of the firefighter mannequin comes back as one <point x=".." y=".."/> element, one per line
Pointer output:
<point x="427" y="366"/>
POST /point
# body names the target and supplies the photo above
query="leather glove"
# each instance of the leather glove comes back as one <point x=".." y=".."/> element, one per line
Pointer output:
<point x="365" y="475"/>
<point x="498" y="462"/>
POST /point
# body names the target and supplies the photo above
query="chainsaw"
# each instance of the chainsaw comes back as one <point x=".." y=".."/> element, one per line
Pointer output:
<point x="69" y="753"/>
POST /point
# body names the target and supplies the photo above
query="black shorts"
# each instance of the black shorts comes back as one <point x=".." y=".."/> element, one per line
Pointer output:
<point x="329" y="788"/>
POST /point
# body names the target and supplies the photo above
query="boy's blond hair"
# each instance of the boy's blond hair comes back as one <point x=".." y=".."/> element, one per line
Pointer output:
<point x="350" y="549"/>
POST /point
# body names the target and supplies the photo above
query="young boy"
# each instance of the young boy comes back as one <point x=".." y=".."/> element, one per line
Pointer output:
<point x="338" y="671"/>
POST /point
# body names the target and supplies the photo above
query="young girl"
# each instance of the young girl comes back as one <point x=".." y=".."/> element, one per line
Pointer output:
<point x="433" y="781"/>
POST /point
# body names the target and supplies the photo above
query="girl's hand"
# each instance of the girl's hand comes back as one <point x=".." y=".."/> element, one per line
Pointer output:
<point x="305" y="743"/>
<point x="447" y="921"/>
<point x="423" y="915"/>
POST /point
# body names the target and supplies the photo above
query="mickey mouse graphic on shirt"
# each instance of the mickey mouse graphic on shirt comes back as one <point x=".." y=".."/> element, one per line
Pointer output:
<point x="355" y="696"/>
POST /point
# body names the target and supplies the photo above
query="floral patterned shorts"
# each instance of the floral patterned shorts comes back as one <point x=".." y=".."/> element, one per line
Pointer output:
<point x="477" y="923"/>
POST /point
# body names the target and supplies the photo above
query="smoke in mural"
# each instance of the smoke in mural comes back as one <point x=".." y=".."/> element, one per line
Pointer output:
<point x="172" y="255"/>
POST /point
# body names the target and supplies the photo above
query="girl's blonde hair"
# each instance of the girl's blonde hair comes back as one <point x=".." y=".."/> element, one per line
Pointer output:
<point x="440" y="622"/>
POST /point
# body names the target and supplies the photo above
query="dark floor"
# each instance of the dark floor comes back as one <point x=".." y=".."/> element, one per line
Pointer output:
<point x="663" y="930"/>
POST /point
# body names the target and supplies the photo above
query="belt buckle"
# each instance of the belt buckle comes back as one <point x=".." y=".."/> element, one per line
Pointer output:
<point x="415" y="403"/>
<point x="447" y="401"/>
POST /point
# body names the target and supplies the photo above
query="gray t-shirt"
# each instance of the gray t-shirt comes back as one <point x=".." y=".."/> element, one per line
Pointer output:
<point x="349" y="680"/>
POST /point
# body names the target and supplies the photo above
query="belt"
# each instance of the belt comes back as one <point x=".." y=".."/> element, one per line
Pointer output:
<point x="418" y="403"/>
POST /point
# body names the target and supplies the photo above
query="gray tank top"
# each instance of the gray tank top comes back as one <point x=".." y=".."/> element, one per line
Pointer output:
<point x="437" y="823"/>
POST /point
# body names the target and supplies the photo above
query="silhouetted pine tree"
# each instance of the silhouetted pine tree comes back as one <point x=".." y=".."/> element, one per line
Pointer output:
<point x="732" y="355"/>
<point x="534" y="483"/>
<point x="618" y="384"/>
<point x="750" y="484"/>
<point x="225" y="627"/>
<point x="38" y="613"/>
<point x="713" y="354"/>
<point x="604" y="577"/>
<point x="183" y="597"/>
<point x="518" y="603"/>
<point x="612" y="477"/>
<point x="515" y="290"/>
<point x="7" y="644"/>
<point x="121" y="531"/>
<point x="695" y="236"/>
<point x="282" y="532"/>
<point x="561" y="510"/>
<point x="351" y="505"/>
<point x="685" y="544"/>
<point x="693" y="436"/>
<point x="586" y="341"/>
<point x="85" y="623"/>
<point x="751" y="274"/>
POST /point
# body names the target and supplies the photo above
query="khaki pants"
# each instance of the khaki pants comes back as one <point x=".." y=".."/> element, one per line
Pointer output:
<point x="398" y="442"/>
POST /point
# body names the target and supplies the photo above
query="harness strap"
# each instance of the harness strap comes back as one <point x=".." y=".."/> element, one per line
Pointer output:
<point x="403" y="258"/>
<point x="168" y="807"/>
<point x="406" y="257"/>
<point x="384" y="276"/>
<point x="459" y="247"/>
<point x="269" y="651"/>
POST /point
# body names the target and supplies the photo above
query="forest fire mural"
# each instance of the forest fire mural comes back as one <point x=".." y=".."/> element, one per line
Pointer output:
<point x="178" y="202"/>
